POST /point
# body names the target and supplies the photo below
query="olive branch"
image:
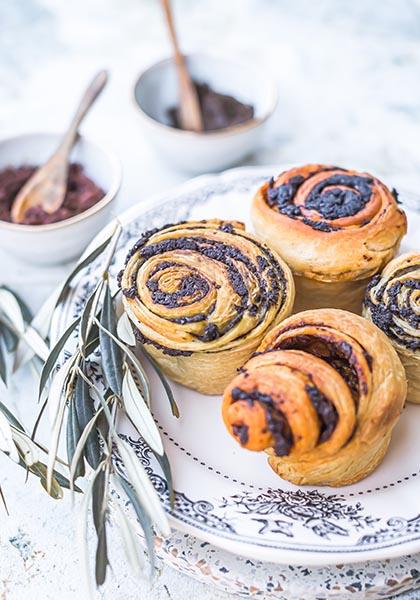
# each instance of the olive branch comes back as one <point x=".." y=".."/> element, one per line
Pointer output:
<point x="85" y="415"/>
<point x="22" y="342"/>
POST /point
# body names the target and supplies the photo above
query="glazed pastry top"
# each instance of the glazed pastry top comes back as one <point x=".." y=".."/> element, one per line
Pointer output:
<point x="329" y="223"/>
<point x="319" y="379"/>
<point x="204" y="285"/>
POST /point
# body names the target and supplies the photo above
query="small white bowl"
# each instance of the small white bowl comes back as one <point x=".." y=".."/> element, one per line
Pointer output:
<point x="59" y="242"/>
<point x="156" y="90"/>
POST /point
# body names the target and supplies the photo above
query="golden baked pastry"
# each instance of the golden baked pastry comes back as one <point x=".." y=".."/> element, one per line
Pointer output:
<point x="392" y="302"/>
<point x="321" y="396"/>
<point x="201" y="295"/>
<point x="334" y="227"/>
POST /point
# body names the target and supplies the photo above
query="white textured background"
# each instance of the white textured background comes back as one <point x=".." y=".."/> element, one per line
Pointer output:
<point x="349" y="80"/>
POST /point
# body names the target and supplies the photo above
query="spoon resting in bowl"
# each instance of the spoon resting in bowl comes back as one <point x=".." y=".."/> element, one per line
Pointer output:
<point x="189" y="105"/>
<point x="47" y="186"/>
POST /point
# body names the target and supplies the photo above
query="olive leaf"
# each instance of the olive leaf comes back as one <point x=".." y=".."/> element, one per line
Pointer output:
<point x="139" y="414"/>
<point x="143" y="486"/>
<point x="3" y="499"/>
<point x="11" y="340"/>
<point x="134" y="362"/>
<point x="10" y="417"/>
<point x="84" y="263"/>
<point x="50" y="484"/>
<point x="132" y="550"/>
<point x="51" y="361"/>
<point x="164" y="381"/>
<point x="125" y="331"/>
<point x="85" y="411"/>
<point x="74" y="433"/>
<point x="110" y="351"/>
<point x="24" y="308"/>
<point x="3" y="363"/>
<point x="7" y="445"/>
<point x="10" y="308"/>
<point x="57" y="401"/>
<point x="89" y="312"/>
<point x="142" y="516"/>
<point x="166" y="468"/>
<point x="28" y="451"/>
<point x="82" y="444"/>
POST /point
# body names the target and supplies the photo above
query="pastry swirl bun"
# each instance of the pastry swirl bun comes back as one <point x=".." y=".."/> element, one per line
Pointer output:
<point x="321" y="396"/>
<point x="392" y="302"/>
<point x="201" y="295"/>
<point x="334" y="227"/>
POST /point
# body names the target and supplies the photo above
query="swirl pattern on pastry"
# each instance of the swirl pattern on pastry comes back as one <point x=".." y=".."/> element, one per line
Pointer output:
<point x="332" y="226"/>
<point x="201" y="295"/>
<point x="321" y="396"/>
<point x="392" y="302"/>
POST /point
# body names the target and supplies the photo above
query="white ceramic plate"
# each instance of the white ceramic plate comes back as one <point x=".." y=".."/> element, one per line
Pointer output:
<point x="229" y="496"/>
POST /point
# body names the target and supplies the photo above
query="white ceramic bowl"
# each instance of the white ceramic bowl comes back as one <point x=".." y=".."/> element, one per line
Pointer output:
<point x="156" y="90"/>
<point x="59" y="242"/>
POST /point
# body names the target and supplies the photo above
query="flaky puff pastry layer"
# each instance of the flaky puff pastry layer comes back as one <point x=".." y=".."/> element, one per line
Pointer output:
<point x="321" y="397"/>
<point x="201" y="295"/>
<point x="392" y="302"/>
<point x="334" y="227"/>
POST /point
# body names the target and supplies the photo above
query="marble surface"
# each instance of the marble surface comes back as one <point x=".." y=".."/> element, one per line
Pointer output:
<point x="349" y="89"/>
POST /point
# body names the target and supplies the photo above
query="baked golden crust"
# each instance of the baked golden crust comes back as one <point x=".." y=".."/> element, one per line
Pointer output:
<point x="321" y="396"/>
<point x="201" y="296"/>
<point x="392" y="302"/>
<point x="331" y="226"/>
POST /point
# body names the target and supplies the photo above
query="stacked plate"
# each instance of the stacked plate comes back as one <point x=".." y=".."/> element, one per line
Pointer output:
<point x="236" y="523"/>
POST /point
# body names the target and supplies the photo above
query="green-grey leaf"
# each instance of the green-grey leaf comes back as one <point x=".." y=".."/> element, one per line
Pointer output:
<point x="166" y="468"/>
<point x="10" y="338"/>
<point x="99" y="509"/>
<point x="26" y="311"/>
<point x="3" y="362"/>
<point x="80" y="266"/>
<point x="72" y="437"/>
<point x="144" y="520"/>
<point x="55" y="353"/>
<point x="10" y="416"/>
<point x="110" y="351"/>
<point x="40" y="470"/>
<point x="165" y="383"/>
<point x="101" y="559"/>
<point x="64" y="482"/>
<point x="85" y="410"/>
<point x="3" y="499"/>
<point x="138" y="368"/>
<point x="98" y="500"/>
<point x="89" y="312"/>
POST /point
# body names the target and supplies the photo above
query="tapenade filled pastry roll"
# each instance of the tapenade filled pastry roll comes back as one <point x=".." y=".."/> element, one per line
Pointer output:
<point x="201" y="295"/>
<point x="334" y="227"/>
<point x="392" y="302"/>
<point x="321" y="396"/>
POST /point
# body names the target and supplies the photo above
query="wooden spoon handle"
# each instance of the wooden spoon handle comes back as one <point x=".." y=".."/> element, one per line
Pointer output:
<point x="190" y="111"/>
<point x="92" y="92"/>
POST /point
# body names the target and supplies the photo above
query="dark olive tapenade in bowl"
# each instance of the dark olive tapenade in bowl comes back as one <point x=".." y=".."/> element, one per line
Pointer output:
<point x="93" y="183"/>
<point x="237" y="101"/>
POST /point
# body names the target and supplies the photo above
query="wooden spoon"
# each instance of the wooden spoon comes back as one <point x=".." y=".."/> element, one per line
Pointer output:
<point x="47" y="186"/>
<point x="190" y="113"/>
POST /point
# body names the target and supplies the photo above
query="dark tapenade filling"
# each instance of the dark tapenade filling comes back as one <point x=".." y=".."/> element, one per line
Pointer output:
<point x="383" y="315"/>
<point x="276" y="422"/>
<point x="340" y="195"/>
<point x="339" y="356"/>
<point x="196" y="286"/>
<point x="326" y="412"/>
